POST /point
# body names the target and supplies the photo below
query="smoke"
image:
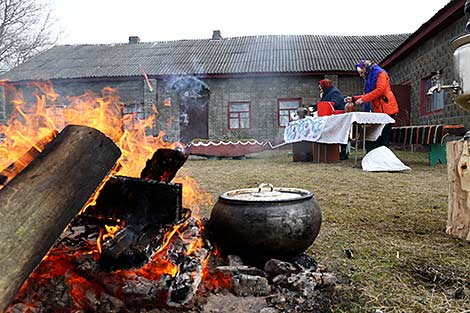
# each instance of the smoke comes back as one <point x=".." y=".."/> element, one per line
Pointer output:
<point x="188" y="86"/>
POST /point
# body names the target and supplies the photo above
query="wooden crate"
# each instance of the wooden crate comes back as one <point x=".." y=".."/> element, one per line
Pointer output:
<point x="306" y="151"/>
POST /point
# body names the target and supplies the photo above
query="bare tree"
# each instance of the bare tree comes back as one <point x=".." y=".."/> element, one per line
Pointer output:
<point x="25" y="31"/>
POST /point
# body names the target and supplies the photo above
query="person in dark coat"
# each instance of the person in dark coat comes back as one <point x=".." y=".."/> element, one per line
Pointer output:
<point x="328" y="92"/>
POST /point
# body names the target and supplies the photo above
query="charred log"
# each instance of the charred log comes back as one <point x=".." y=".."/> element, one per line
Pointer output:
<point x="138" y="202"/>
<point x="146" y="208"/>
<point x="164" y="164"/>
<point x="117" y="253"/>
<point x="40" y="201"/>
<point x="3" y="179"/>
<point x="132" y="247"/>
<point x="190" y="266"/>
<point x="305" y="262"/>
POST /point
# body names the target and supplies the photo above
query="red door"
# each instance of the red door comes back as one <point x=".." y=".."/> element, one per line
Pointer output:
<point x="402" y="94"/>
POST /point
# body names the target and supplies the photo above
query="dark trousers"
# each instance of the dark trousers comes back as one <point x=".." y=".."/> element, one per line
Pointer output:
<point x="384" y="139"/>
<point x="343" y="152"/>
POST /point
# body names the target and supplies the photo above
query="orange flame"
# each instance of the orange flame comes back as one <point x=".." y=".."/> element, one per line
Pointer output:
<point x="215" y="280"/>
<point x="31" y="125"/>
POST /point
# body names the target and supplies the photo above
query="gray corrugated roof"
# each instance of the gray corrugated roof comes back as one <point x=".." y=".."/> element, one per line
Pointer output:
<point x="237" y="55"/>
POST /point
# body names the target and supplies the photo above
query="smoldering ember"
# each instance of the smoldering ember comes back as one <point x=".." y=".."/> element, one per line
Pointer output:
<point x="100" y="227"/>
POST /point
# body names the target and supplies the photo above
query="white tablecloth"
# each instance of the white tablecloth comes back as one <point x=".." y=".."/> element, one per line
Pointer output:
<point x="335" y="128"/>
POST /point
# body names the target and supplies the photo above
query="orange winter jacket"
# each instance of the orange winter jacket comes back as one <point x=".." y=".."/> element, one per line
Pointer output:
<point x="382" y="98"/>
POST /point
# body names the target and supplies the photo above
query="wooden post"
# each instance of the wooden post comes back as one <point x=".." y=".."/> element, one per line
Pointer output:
<point x="38" y="203"/>
<point x="458" y="175"/>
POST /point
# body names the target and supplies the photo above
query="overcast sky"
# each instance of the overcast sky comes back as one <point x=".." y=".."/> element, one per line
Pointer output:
<point x="113" y="21"/>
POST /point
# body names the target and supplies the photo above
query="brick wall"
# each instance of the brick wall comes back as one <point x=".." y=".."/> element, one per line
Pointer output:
<point x="434" y="54"/>
<point x="351" y="85"/>
<point x="150" y="102"/>
<point x="130" y="91"/>
<point x="263" y="93"/>
<point x="168" y="115"/>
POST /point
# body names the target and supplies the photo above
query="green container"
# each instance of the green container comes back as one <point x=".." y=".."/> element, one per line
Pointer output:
<point x="437" y="153"/>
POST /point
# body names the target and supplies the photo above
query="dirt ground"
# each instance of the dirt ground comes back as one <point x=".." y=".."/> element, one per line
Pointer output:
<point x="383" y="233"/>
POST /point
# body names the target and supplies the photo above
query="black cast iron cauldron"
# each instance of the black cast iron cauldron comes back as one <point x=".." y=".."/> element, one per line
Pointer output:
<point x="265" y="222"/>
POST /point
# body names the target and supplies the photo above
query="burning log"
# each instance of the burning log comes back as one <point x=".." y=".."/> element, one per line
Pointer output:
<point x="139" y="202"/>
<point x="184" y="286"/>
<point x="131" y="247"/>
<point x="190" y="265"/>
<point x="164" y="164"/>
<point x="13" y="169"/>
<point x="40" y="201"/>
<point x="141" y="292"/>
<point x="145" y="207"/>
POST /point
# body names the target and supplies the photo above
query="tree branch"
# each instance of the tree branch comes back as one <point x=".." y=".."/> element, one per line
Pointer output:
<point x="25" y="31"/>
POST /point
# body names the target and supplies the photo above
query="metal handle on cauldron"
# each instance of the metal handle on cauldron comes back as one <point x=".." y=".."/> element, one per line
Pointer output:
<point x="265" y="185"/>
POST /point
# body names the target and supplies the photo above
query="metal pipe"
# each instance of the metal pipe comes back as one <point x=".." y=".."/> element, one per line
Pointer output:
<point x="438" y="87"/>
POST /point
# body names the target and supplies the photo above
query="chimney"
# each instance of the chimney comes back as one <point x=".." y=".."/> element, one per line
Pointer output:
<point x="216" y="35"/>
<point x="134" y="39"/>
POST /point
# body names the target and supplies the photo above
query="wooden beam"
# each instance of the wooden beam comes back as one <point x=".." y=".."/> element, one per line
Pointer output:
<point x="458" y="176"/>
<point x="38" y="203"/>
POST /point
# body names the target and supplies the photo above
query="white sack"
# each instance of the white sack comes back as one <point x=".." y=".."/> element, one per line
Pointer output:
<point x="382" y="159"/>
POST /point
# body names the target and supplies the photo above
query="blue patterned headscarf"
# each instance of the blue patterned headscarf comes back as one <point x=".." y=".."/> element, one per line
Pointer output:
<point x="372" y="72"/>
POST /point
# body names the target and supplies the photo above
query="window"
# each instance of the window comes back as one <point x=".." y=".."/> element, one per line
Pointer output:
<point x="287" y="109"/>
<point x="131" y="114"/>
<point x="431" y="103"/>
<point x="239" y="115"/>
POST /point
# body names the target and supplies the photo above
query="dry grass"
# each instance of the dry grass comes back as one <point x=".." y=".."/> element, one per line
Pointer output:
<point x="394" y="223"/>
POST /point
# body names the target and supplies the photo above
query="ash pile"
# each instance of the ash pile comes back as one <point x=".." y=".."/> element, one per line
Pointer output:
<point x="300" y="285"/>
<point x="86" y="284"/>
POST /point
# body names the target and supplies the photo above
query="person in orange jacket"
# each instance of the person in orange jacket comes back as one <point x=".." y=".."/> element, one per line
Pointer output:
<point x="378" y="95"/>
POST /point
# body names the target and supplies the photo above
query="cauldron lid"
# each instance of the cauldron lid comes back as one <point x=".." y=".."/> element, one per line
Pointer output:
<point x="266" y="193"/>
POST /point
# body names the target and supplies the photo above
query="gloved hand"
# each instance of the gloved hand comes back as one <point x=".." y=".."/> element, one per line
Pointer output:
<point x="359" y="101"/>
